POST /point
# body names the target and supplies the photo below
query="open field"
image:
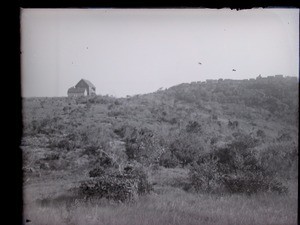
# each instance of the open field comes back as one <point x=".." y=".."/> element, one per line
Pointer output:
<point x="165" y="205"/>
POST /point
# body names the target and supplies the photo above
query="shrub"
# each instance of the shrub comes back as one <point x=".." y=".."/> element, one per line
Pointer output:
<point x="97" y="172"/>
<point x="250" y="183"/>
<point x="96" y="136"/>
<point x="138" y="172"/>
<point x="261" y="134"/>
<point x="186" y="147"/>
<point x="62" y="144"/>
<point x="280" y="159"/>
<point x="105" y="161"/>
<point x="51" y="156"/>
<point x="233" y="125"/>
<point x="214" y="117"/>
<point x="168" y="160"/>
<point x="143" y="145"/>
<point x="115" y="113"/>
<point x="193" y="127"/>
<point x="42" y="126"/>
<point x="284" y="137"/>
<point x="81" y="100"/>
<point x="98" y="99"/>
<point x="116" y="185"/>
<point x="204" y="176"/>
<point x="237" y="168"/>
<point x="90" y="150"/>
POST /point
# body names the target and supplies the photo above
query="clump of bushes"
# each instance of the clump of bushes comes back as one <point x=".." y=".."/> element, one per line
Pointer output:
<point x="280" y="159"/>
<point x="250" y="183"/>
<point x="42" y="126"/>
<point x="143" y="145"/>
<point x="137" y="171"/>
<point x="204" y="175"/>
<point x="237" y="168"/>
<point x="186" y="147"/>
<point x="113" y="184"/>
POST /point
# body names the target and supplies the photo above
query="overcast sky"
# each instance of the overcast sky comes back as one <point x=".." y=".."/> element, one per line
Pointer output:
<point x="134" y="51"/>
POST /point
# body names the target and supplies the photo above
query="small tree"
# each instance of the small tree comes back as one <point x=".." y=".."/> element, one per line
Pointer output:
<point x="186" y="148"/>
<point x="143" y="146"/>
<point x="204" y="174"/>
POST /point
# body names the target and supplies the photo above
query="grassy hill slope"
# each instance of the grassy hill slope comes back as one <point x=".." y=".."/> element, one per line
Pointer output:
<point x="170" y="132"/>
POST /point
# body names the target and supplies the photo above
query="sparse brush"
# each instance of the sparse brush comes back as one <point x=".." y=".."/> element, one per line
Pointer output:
<point x="235" y="169"/>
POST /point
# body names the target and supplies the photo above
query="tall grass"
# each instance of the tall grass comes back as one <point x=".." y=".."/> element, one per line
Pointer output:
<point x="171" y="206"/>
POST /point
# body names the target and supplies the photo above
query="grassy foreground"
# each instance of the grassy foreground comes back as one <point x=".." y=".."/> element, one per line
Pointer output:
<point x="166" y="205"/>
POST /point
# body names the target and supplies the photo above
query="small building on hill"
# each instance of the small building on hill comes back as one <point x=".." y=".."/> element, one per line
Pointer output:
<point x="82" y="88"/>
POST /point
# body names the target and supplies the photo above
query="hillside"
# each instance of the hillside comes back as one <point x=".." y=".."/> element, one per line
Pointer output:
<point x="266" y="110"/>
<point x="269" y="106"/>
<point x="170" y="132"/>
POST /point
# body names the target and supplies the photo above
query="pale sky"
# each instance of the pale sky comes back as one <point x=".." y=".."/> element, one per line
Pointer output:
<point x="136" y="51"/>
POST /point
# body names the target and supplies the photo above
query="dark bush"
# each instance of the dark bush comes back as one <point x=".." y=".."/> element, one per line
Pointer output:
<point x="117" y="102"/>
<point x="116" y="185"/>
<point x="284" y="137"/>
<point x="193" y="127"/>
<point x="90" y="149"/>
<point x="233" y="125"/>
<point x="261" y="134"/>
<point x="97" y="172"/>
<point x="168" y="160"/>
<point x="81" y="100"/>
<point x="65" y="144"/>
<point x="100" y="99"/>
<point x="214" y="117"/>
<point x="138" y="172"/>
<point x="51" y="156"/>
<point x="143" y="145"/>
<point x="115" y="113"/>
<point x="204" y="175"/>
<point x="173" y="121"/>
<point x="252" y="183"/>
<point x="186" y="147"/>
<point x="236" y="168"/>
<point x="280" y="159"/>
<point x="62" y="144"/>
<point x="105" y="161"/>
<point x="42" y="126"/>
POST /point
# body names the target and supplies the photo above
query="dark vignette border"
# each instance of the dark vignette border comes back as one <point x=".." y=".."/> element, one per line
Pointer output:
<point x="12" y="104"/>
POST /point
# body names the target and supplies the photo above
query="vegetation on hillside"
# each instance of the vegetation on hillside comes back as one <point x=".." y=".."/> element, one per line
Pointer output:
<point x="226" y="133"/>
<point x="225" y="137"/>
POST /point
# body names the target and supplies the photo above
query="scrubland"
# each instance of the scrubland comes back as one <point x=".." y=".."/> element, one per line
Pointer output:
<point x="224" y="153"/>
